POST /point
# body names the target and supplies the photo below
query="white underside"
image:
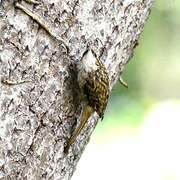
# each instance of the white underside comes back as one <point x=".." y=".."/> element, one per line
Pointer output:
<point x="89" y="62"/>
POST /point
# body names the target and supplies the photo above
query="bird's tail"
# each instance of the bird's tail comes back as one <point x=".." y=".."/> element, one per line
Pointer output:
<point x="84" y="118"/>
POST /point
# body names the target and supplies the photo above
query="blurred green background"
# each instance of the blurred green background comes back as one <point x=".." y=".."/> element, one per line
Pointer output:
<point x="139" y="137"/>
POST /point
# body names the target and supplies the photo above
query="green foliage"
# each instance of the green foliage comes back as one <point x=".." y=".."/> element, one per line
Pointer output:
<point x="152" y="74"/>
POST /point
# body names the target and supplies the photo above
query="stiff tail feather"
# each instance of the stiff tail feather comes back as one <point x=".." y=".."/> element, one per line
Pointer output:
<point x="84" y="118"/>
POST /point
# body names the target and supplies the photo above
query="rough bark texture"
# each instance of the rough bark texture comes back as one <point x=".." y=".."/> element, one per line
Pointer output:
<point x="38" y="116"/>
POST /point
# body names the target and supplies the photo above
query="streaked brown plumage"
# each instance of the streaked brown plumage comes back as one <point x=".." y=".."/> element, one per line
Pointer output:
<point x="94" y="84"/>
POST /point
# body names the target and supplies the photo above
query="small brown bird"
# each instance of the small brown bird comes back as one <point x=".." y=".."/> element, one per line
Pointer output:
<point x="94" y="84"/>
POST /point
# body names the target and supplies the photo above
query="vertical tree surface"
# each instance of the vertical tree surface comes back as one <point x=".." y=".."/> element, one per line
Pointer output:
<point x="40" y="112"/>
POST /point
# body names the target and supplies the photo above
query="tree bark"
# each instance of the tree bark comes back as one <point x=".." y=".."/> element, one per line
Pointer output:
<point x="38" y="115"/>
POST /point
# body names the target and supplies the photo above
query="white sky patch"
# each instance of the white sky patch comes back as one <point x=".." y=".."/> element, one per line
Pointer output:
<point x="153" y="154"/>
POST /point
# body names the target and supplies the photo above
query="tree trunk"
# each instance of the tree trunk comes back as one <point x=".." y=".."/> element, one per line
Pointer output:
<point x="40" y="112"/>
